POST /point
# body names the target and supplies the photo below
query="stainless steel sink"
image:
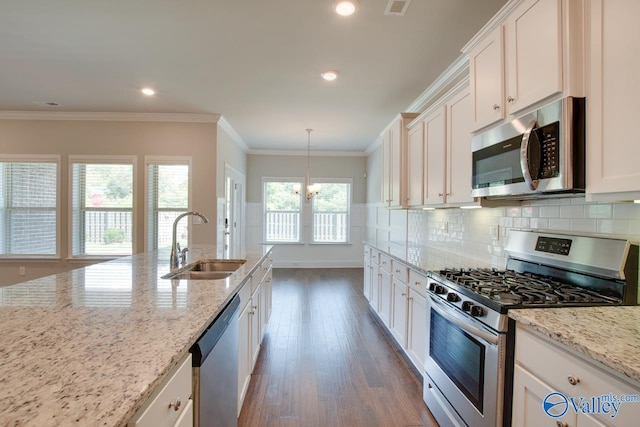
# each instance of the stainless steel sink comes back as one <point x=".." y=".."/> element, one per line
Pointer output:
<point x="206" y="269"/>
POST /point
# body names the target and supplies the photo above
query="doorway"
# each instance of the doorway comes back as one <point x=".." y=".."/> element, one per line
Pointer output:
<point x="233" y="241"/>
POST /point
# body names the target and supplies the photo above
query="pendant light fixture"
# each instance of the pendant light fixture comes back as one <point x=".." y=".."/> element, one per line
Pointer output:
<point x="312" y="189"/>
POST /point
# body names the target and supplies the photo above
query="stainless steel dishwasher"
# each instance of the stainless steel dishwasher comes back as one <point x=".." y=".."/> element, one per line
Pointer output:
<point x="215" y="371"/>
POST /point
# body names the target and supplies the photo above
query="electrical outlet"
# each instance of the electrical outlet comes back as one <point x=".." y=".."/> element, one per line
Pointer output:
<point x="22" y="271"/>
<point x="494" y="230"/>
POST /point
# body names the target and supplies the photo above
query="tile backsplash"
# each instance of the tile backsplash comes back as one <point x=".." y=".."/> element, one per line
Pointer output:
<point x="481" y="234"/>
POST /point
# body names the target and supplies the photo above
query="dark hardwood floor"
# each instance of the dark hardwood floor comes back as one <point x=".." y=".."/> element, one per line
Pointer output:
<point x="325" y="362"/>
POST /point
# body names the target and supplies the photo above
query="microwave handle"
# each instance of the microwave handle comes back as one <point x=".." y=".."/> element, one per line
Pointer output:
<point x="524" y="157"/>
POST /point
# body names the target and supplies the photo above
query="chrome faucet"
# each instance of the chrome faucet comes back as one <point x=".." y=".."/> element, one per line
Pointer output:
<point x="175" y="246"/>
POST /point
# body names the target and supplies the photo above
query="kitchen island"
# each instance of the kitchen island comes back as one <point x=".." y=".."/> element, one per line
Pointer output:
<point x="89" y="346"/>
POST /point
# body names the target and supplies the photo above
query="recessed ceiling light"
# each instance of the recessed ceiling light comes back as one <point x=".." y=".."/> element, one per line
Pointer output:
<point x="345" y="7"/>
<point x="148" y="91"/>
<point x="329" y="75"/>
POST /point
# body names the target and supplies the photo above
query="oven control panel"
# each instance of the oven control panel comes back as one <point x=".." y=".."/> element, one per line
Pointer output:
<point x="553" y="245"/>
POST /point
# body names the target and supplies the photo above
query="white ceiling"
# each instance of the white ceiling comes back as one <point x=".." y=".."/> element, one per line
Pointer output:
<point x="256" y="62"/>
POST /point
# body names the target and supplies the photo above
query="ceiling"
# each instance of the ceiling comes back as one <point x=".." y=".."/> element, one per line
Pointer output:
<point x="257" y="63"/>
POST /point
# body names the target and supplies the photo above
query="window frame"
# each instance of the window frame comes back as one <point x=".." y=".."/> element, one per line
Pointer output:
<point x="321" y="181"/>
<point x="102" y="160"/>
<point x="39" y="158"/>
<point x="299" y="180"/>
<point x="164" y="160"/>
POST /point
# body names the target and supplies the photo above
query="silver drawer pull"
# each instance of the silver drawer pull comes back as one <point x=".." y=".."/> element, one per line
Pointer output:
<point x="176" y="405"/>
<point x="573" y="380"/>
<point x="561" y="424"/>
<point x="496" y="107"/>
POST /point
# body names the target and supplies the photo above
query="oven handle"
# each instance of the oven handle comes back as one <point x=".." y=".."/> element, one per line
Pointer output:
<point x="524" y="157"/>
<point x="462" y="324"/>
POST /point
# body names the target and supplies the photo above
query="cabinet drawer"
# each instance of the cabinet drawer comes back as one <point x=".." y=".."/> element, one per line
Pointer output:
<point x="385" y="262"/>
<point x="375" y="256"/>
<point x="558" y="368"/>
<point x="400" y="271"/>
<point x="418" y="282"/>
<point x="157" y="412"/>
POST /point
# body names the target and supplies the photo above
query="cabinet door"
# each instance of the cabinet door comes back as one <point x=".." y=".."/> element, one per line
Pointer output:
<point x="415" y="166"/>
<point x="417" y="332"/>
<point x="486" y="68"/>
<point x="399" y="312"/>
<point x="528" y="394"/>
<point x="367" y="279"/>
<point x="244" y="353"/>
<point x="459" y="148"/>
<point x="395" y="169"/>
<point x="375" y="287"/>
<point x="386" y="168"/>
<point x="613" y="170"/>
<point x="256" y="325"/>
<point x="385" y="297"/>
<point x="534" y="53"/>
<point x="435" y="157"/>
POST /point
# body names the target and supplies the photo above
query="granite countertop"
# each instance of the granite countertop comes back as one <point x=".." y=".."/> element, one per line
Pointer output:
<point x="87" y="347"/>
<point x="609" y="335"/>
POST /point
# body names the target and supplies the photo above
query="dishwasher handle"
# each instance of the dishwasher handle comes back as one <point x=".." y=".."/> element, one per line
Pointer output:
<point x="201" y="349"/>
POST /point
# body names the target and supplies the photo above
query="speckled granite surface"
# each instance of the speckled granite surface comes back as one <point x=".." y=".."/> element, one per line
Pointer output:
<point x="610" y="335"/>
<point x="87" y="347"/>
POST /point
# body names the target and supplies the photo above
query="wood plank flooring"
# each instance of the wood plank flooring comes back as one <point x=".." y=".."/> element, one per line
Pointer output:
<point x="325" y="362"/>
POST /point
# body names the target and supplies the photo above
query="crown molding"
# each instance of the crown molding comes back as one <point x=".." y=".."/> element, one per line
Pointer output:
<point x="497" y="19"/>
<point x="374" y="145"/>
<point x="454" y="72"/>
<point x="442" y="100"/>
<point x="303" y="153"/>
<point x="110" y="117"/>
<point x="225" y="126"/>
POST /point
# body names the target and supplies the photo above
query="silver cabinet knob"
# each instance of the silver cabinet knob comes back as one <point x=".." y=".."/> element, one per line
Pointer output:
<point x="176" y="405"/>
<point x="573" y="380"/>
<point x="561" y="424"/>
<point x="510" y="99"/>
<point x="496" y="107"/>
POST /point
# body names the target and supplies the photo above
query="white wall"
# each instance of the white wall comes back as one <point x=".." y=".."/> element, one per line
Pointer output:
<point x="308" y="255"/>
<point x="69" y="137"/>
<point x="229" y="153"/>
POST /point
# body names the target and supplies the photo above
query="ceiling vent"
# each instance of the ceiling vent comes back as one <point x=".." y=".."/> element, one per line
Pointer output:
<point x="397" y="7"/>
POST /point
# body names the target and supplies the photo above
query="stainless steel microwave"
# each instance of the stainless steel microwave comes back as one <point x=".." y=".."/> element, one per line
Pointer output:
<point x="539" y="154"/>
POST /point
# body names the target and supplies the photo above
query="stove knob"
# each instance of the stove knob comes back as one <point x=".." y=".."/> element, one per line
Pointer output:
<point x="432" y="287"/>
<point x="466" y="305"/>
<point x="453" y="297"/>
<point x="477" y="311"/>
<point x="440" y="290"/>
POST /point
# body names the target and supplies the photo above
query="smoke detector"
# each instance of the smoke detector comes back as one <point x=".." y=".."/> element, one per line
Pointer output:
<point x="397" y="7"/>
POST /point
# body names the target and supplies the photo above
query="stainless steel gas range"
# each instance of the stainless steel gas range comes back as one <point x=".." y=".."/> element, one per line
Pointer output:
<point x="469" y="363"/>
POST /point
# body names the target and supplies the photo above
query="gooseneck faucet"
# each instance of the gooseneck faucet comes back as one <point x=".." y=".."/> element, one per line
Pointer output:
<point x="174" y="243"/>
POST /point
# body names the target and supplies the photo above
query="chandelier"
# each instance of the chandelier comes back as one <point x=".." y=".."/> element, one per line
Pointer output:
<point x="312" y="189"/>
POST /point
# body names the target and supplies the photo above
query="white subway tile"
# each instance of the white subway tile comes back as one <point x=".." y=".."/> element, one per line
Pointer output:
<point x="559" y="202"/>
<point x="613" y="226"/>
<point x="514" y="212"/>
<point x="521" y="222"/>
<point x="559" y="224"/>
<point x="598" y="211"/>
<point x="506" y="222"/>
<point x="549" y="211"/>
<point x="530" y="211"/>
<point x="572" y="211"/>
<point x="539" y="223"/>
<point x="578" y="201"/>
<point x="584" y="225"/>
<point x="626" y="211"/>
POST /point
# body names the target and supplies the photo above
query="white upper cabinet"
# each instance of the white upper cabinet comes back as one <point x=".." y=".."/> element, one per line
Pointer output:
<point x="446" y="129"/>
<point x="613" y="170"/>
<point x="528" y="54"/>
<point x="415" y="165"/>
<point x="394" y="159"/>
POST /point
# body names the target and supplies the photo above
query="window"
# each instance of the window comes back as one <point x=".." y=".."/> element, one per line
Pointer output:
<point x="282" y="211"/>
<point x="331" y="212"/>
<point x="167" y="197"/>
<point x="28" y="207"/>
<point x="102" y="206"/>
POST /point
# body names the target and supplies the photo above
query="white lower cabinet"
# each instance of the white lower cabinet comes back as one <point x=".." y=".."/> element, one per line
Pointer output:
<point x="255" y="309"/>
<point x="543" y="367"/>
<point x="171" y="404"/>
<point x="398" y="298"/>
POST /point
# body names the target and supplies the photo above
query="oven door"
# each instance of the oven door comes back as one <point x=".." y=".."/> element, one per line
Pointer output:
<point x="465" y="379"/>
